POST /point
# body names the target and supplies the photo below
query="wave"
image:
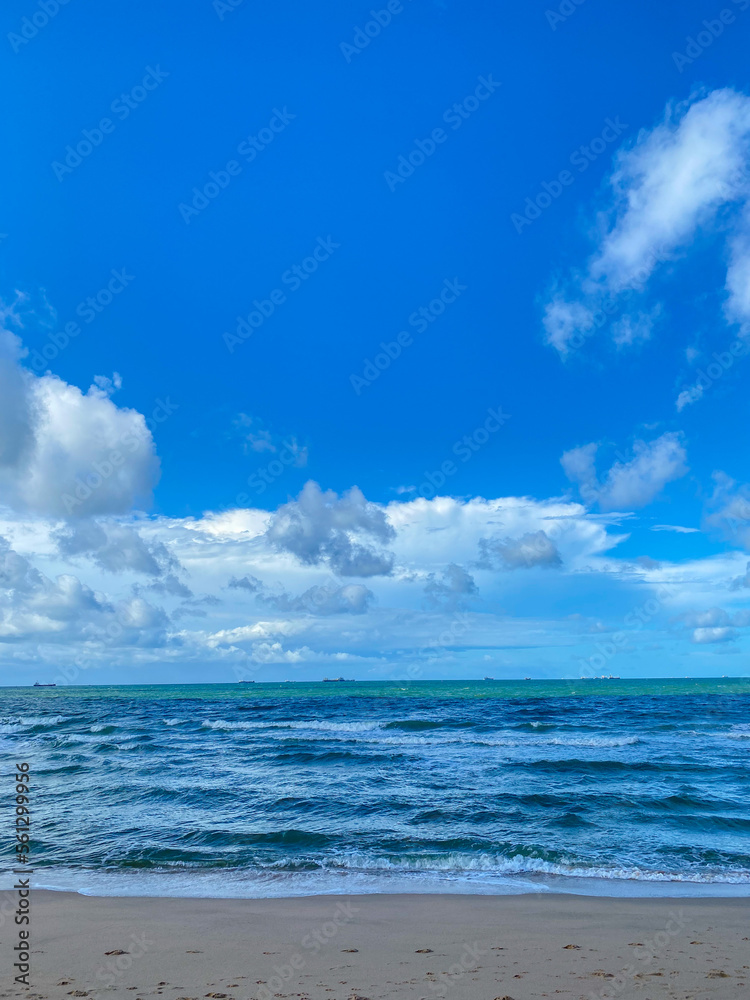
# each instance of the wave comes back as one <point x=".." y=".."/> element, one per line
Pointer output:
<point x="313" y="725"/>
<point x="420" y="725"/>
<point x="520" y="864"/>
<point x="594" y="741"/>
<point x="33" y="722"/>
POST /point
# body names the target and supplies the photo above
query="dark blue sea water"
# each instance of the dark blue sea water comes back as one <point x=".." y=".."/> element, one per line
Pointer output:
<point x="279" y="789"/>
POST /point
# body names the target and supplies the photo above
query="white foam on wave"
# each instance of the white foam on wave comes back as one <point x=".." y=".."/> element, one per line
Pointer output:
<point x="25" y="721"/>
<point x="458" y="863"/>
<point x="594" y="741"/>
<point x="311" y="725"/>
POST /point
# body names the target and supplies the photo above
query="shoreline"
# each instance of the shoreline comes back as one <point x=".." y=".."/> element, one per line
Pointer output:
<point x="675" y="891"/>
<point x="377" y="946"/>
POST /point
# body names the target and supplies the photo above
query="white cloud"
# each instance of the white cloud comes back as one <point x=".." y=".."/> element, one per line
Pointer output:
<point x="672" y="182"/>
<point x="66" y="453"/>
<point x="703" y="636"/>
<point x="347" y="532"/>
<point x="87" y="604"/>
<point x="535" y="548"/>
<point x="742" y="581"/>
<point x="628" y="484"/>
<point x="678" y="528"/>
<point x="34" y="607"/>
<point x="634" y="329"/>
<point x="704" y="619"/>
<point x="451" y="589"/>
<point x="689" y="396"/>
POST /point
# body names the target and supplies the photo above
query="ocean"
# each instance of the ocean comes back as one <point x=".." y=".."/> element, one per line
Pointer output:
<point x="604" y="787"/>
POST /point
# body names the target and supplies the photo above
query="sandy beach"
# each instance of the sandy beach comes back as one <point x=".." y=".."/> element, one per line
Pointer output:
<point x="370" y="947"/>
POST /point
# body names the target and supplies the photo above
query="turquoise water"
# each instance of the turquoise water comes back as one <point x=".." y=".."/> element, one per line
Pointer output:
<point x="280" y="789"/>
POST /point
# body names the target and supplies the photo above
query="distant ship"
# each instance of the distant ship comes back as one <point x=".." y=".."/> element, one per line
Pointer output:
<point x="247" y="682"/>
<point x="36" y="684"/>
<point x="334" y="680"/>
<point x="488" y="678"/>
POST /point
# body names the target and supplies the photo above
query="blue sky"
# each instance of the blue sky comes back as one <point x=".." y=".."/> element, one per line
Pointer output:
<point x="558" y="163"/>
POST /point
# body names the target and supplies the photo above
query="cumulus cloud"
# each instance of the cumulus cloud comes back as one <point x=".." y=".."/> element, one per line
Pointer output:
<point x="350" y="599"/>
<point x="714" y="625"/>
<point x="451" y="589"/>
<point x="248" y="582"/>
<point x="535" y="548"/>
<point x="742" y="581"/>
<point x="34" y="607"/>
<point x="333" y="599"/>
<point x="119" y="548"/>
<point x="628" y="483"/>
<point x="67" y="453"/>
<point x="347" y="532"/>
<point x="58" y="604"/>
<point x="703" y="636"/>
<point x="704" y="619"/>
<point x="675" y="180"/>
